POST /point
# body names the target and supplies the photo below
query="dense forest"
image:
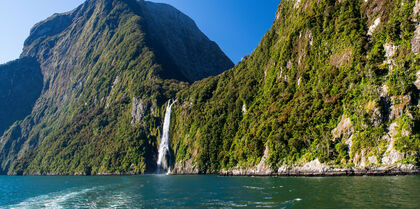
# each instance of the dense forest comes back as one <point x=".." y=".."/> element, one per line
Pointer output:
<point x="332" y="82"/>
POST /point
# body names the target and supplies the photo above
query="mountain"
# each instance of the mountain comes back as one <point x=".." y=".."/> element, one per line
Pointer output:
<point x="91" y="83"/>
<point x="20" y="87"/>
<point x="333" y="88"/>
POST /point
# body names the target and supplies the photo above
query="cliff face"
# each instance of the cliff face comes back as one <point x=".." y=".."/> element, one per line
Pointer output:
<point x="332" y="89"/>
<point x="332" y="83"/>
<point x="184" y="44"/>
<point x="20" y="87"/>
<point x="107" y="67"/>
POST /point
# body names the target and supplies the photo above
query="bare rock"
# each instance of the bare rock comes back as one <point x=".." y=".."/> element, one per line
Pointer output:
<point x="108" y="98"/>
<point x="284" y="169"/>
<point x="314" y="166"/>
<point x="185" y="167"/>
<point x="362" y="160"/>
<point x="138" y="110"/>
<point x="262" y="168"/>
<point x="391" y="155"/>
<point x="398" y="105"/>
<point x="383" y="91"/>
<point x="349" y="143"/>
<point x="373" y="160"/>
<point x="416" y="10"/>
<point x="289" y="64"/>
<point x="373" y="27"/>
<point x="417" y="82"/>
<point x="406" y="167"/>
<point x="344" y="129"/>
<point x="297" y="4"/>
<point x="415" y="41"/>
<point x="390" y="51"/>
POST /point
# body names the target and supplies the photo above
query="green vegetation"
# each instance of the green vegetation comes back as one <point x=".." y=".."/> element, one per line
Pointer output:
<point x="20" y="87"/>
<point x="331" y="80"/>
<point x="315" y="65"/>
<point x="98" y="61"/>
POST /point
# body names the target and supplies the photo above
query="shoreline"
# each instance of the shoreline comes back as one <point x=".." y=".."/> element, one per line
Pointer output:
<point x="355" y="173"/>
<point x="320" y="171"/>
<point x="338" y="174"/>
<point x="397" y="170"/>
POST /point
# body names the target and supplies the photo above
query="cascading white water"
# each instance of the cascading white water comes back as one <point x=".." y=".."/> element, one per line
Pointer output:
<point x="164" y="157"/>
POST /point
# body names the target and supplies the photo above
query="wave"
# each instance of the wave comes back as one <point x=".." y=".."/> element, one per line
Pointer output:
<point x="254" y="188"/>
<point x="52" y="200"/>
<point x="119" y="200"/>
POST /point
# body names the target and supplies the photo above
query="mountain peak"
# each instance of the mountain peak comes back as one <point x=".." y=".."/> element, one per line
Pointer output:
<point x="109" y="57"/>
<point x="179" y="44"/>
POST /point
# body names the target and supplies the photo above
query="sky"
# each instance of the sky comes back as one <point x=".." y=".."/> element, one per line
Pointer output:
<point x="237" y="26"/>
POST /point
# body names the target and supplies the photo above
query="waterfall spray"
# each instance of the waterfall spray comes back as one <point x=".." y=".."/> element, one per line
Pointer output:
<point x="164" y="157"/>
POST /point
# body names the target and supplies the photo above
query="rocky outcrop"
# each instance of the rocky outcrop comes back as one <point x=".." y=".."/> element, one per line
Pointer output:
<point x="373" y="27"/>
<point x="262" y="169"/>
<point x="373" y="160"/>
<point x="186" y="167"/>
<point x="297" y="4"/>
<point x="312" y="167"/>
<point x="398" y="106"/>
<point x="416" y="10"/>
<point x="344" y="129"/>
<point x="316" y="168"/>
<point x="390" y="51"/>
<point x="138" y="110"/>
<point x="391" y="155"/>
<point x="417" y="82"/>
<point x="415" y="41"/>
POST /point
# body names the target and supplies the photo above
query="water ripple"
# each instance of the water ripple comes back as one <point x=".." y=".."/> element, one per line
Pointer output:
<point x="53" y="200"/>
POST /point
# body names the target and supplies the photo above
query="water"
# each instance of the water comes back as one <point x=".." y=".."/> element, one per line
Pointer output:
<point x="163" y="162"/>
<point x="161" y="191"/>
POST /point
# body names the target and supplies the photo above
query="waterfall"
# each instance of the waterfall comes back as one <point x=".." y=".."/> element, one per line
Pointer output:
<point x="164" y="157"/>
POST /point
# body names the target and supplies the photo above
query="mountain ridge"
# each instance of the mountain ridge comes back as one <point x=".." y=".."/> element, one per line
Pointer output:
<point x="99" y="63"/>
<point x="331" y="84"/>
<point x="332" y="89"/>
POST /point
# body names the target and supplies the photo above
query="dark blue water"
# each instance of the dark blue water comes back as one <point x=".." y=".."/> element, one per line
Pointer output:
<point x="209" y="192"/>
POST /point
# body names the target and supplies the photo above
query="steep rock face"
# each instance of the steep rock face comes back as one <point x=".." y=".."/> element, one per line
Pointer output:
<point x="326" y="82"/>
<point x="20" y="86"/>
<point x="98" y="62"/>
<point x="184" y="44"/>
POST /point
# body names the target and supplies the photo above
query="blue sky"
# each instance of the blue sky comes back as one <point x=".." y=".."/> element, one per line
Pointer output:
<point x="236" y="25"/>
